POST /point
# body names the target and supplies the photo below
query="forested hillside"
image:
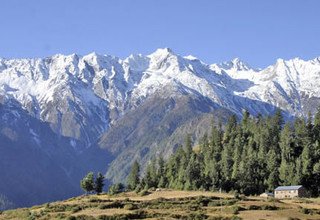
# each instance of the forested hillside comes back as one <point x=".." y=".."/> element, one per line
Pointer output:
<point x="251" y="156"/>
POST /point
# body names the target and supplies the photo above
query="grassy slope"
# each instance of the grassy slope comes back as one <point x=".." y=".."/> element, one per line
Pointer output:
<point x="170" y="205"/>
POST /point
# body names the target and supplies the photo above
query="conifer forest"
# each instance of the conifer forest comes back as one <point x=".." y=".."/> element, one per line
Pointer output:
<point x="250" y="156"/>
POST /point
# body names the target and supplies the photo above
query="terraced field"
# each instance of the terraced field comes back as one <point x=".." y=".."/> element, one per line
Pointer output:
<point x="168" y="204"/>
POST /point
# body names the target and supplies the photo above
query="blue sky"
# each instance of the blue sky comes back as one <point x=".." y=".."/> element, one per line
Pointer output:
<point x="257" y="31"/>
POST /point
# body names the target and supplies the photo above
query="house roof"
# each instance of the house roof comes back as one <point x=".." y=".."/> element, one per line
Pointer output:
<point x="288" y="187"/>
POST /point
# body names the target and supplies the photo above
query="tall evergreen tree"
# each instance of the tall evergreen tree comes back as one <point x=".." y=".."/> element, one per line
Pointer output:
<point x="151" y="179"/>
<point x="188" y="145"/>
<point x="99" y="183"/>
<point x="272" y="167"/>
<point x="226" y="165"/>
<point x="236" y="157"/>
<point x="161" y="173"/>
<point x="134" y="176"/>
<point x="315" y="185"/>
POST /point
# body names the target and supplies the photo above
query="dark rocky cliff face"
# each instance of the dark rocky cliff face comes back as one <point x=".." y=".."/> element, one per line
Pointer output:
<point x="36" y="164"/>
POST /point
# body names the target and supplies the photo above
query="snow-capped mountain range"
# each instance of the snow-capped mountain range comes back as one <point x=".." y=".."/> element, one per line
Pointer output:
<point x="135" y="107"/>
<point x="78" y="87"/>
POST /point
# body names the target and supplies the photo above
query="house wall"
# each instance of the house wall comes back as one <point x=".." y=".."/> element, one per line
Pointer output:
<point x="280" y="194"/>
<point x="302" y="192"/>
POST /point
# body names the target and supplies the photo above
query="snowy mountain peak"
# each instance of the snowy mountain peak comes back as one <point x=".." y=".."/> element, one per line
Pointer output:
<point x="163" y="58"/>
<point x="190" y="57"/>
<point x="236" y="64"/>
<point x="161" y="53"/>
<point x="137" y="62"/>
<point x="280" y="61"/>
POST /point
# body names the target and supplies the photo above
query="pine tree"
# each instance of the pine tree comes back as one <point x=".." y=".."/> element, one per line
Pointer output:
<point x="273" y="169"/>
<point x="298" y="172"/>
<point x="161" y="173"/>
<point x="193" y="174"/>
<point x="316" y="128"/>
<point x="306" y="158"/>
<point x="87" y="183"/>
<point x="99" y="183"/>
<point x="188" y="145"/>
<point x="245" y="123"/>
<point x="275" y="125"/>
<point x="175" y="169"/>
<point x="287" y="143"/>
<point x="151" y="178"/>
<point x="226" y="165"/>
<point x="133" y="178"/>
<point x="301" y="137"/>
<point x="315" y="186"/>
<point x="230" y="128"/>
<point x="236" y="157"/>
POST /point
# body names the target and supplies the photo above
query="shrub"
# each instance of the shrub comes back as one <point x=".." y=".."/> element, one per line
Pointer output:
<point x="103" y="206"/>
<point x="306" y="211"/>
<point x="139" y="188"/>
<point x="61" y="216"/>
<point x="235" y="218"/>
<point x="95" y="199"/>
<point x="214" y="203"/>
<point x="194" y="207"/>
<point x="115" y="204"/>
<point x="139" y="214"/>
<point x="269" y="207"/>
<point x="116" y="188"/>
<point x="236" y="209"/>
<point x="144" y="193"/>
<point x="130" y="206"/>
<point x="237" y="195"/>
<point x="84" y="217"/>
<point x="76" y="209"/>
<point x="254" y="207"/>
<point x="273" y="200"/>
<point x="230" y="202"/>
<point x="57" y="208"/>
<point x="152" y="189"/>
<point x="201" y="200"/>
<point x="197" y="216"/>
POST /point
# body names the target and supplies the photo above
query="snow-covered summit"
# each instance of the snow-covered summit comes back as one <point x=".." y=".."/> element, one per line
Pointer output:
<point x="236" y="64"/>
